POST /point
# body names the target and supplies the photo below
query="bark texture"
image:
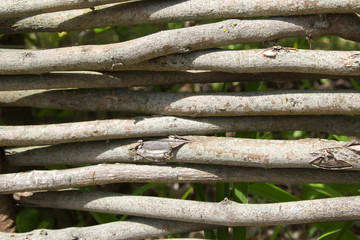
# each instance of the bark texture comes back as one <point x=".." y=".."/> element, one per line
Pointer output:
<point x="140" y="127"/>
<point x="205" y="150"/>
<point x="13" y="8"/>
<point x="159" y="11"/>
<point x="297" y="102"/>
<point x="136" y="228"/>
<point x="232" y="213"/>
<point x="256" y="61"/>
<point x="115" y="173"/>
<point x="83" y="79"/>
<point x="115" y="56"/>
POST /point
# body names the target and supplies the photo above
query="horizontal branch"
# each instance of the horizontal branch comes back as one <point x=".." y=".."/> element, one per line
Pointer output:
<point x="11" y="8"/>
<point x="159" y="11"/>
<point x="135" y="228"/>
<point x="253" y="61"/>
<point x="232" y="213"/>
<point x="114" y="56"/>
<point x="116" y="173"/>
<point x="205" y="150"/>
<point x="140" y="127"/>
<point x="297" y="102"/>
<point x="143" y="78"/>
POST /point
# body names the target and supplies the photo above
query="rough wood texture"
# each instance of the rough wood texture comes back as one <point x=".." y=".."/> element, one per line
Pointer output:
<point x="83" y="79"/>
<point x="297" y="102"/>
<point x="115" y="56"/>
<point x="253" y="61"/>
<point x="116" y="173"/>
<point x="13" y="8"/>
<point x="140" y="127"/>
<point x="135" y="228"/>
<point x="205" y="150"/>
<point x="159" y="11"/>
<point x="232" y="213"/>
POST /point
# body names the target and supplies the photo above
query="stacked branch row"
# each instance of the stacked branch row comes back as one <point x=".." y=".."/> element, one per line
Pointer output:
<point x="29" y="77"/>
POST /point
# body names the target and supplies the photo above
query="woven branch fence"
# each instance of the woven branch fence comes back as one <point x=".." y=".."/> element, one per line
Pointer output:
<point x="174" y="137"/>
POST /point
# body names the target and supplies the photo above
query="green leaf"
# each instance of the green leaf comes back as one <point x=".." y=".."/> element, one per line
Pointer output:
<point x="148" y="186"/>
<point x="271" y="192"/>
<point x="325" y="190"/>
<point x="99" y="30"/>
<point x="104" y="217"/>
<point x="186" y="194"/>
<point x="27" y="220"/>
<point x="338" y="138"/>
<point x="355" y="84"/>
<point x="341" y="232"/>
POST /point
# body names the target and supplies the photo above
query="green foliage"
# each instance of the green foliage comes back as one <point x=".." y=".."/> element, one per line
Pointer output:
<point x="29" y="219"/>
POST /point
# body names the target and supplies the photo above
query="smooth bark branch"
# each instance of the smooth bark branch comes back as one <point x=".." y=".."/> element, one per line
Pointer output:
<point x="297" y="102"/>
<point x="232" y="213"/>
<point x="114" y="56"/>
<point x="117" y="173"/>
<point x="140" y="127"/>
<point x="172" y="11"/>
<point x="135" y="228"/>
<point x="205" y="150"/>
<point x="13" y="8"/>
<point x="253" y="61"/>
<point x="123" y="79"/>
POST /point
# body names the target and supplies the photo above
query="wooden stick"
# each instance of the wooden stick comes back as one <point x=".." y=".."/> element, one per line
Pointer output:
<point x="296" y="102"/>
<point x="116" y="173"/>
<point x="204" y="150"/>
<point x="232" y="213"/>
<point x="140" y="127"/>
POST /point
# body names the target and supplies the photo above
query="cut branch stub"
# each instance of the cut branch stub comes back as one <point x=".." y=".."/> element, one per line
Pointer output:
<point x="159" y="150"/>
<point x="333" y="158"/>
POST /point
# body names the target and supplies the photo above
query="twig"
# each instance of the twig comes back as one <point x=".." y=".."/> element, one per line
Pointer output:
<point x="158" y="11"/>
<point x="205" y="150"/>
<point x="253" y="61"/>
<point x="11" y="8"/>
<point x="163" y="126"/>
<point x="123" y="79"/>
<point x="136" y="228"/>
<point x="232" y="213"/>
<point x="116" y="173"/>
<point x="115" y="56"/>
<point x="297" y="102"/>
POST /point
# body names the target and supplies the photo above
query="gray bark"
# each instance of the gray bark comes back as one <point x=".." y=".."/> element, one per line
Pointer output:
<point x="205" y="150"/>
<point x="115" y="56"/>
<point x="232" y="213"/>
<point x="136" y="228"/>
<point x="125" y="79"/>
<point x="163" y="126"/>
<point x="297" y="102"/>
<point x="254" y="61"/>
<point x="15" y="8"/>
<point x="159" y="11"/>
<point x="115" y="173"/>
